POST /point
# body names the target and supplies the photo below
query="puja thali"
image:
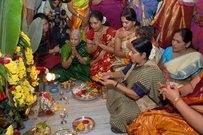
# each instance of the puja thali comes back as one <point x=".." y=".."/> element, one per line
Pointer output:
<point x="83" y="124"/>
<point x="84" y="91"/>
<point x="40" y="129"/>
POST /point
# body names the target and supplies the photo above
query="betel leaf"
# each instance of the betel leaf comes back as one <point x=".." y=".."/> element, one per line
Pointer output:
<point x="10" y="24"/>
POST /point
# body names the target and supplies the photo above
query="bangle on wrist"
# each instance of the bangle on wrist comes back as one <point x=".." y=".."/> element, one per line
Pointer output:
<point x="175" y="101"/>
<point x="116" y="84"/>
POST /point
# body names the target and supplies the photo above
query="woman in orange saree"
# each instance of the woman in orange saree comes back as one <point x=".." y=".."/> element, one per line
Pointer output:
<point x="167" y="120"/>
<point x="100" y="44"/>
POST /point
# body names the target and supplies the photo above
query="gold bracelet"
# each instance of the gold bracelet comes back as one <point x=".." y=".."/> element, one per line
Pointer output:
<point x="175" y="101"/>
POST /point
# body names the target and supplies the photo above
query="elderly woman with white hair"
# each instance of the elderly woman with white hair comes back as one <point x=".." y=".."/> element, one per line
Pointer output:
<point x="75" y="59"/>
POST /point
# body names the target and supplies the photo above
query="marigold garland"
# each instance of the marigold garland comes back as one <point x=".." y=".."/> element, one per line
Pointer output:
<point x="21" y="73"/>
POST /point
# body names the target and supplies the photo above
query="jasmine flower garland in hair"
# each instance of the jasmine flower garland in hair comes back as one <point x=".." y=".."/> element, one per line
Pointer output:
<point x="152" y="54"/>
<point x="104" y="20"/>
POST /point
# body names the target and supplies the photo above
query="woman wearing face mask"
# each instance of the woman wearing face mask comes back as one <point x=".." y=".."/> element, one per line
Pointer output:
<point x="139" y="90"/>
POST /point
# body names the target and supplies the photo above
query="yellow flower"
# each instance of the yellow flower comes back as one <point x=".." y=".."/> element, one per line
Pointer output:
<point x="33" y="73"/>
<point x="58" y="107"/>
<point x="31" y="99"/>
<point x="18" y="49"/>
<point x="12" y="66"/>
<point x="19" y="77"/>
<point x="29" y="56"/>
<point x="23" y="94"/>
<point x="12" y="79"/>
<point x="22" y="69"/>
<point x="35" y="83"/>
<point x="10" y="130"/>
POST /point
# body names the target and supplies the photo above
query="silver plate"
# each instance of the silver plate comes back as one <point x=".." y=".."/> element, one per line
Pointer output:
<point x="65" y="132"/>
<point x="82" y="91"/>
<point x="83" y="124"/>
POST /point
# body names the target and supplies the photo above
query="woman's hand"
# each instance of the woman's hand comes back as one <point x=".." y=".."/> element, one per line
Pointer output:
<point x="171" y="92"/>
<point x="107" y="82"/>
<point x="74" y="51"/>
<point x="107" y="75"/>
<point x="56" y="49"/>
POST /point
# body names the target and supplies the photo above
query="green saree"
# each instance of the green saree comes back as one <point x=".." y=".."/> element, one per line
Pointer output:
<point x="76" y="70"/>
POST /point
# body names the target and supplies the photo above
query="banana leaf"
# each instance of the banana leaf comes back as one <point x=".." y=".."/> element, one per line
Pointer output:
<point x="10" y="24"/>
<point x="35" y="33"/>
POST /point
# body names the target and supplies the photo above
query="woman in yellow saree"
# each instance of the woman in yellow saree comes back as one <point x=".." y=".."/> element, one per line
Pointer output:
<point x="80" y="13"/>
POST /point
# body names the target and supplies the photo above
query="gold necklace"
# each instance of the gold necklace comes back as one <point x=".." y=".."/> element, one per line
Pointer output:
<point x="99" y="33"/>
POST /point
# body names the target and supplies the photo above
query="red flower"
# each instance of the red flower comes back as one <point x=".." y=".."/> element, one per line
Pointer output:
<point x="78" y="94"/>
<point x="84" y="92"/>
<point x="85" y="121"/>
<point x="7" y="55"/>
<point x="2" y="95"/>
<point x="12" y="88"/>
<point x="17" y="57"/>
<point x="4" y="61"/>
<point x="49" y="112"/>
<point x="41" y="70"/>
<point x="46" y="95"/>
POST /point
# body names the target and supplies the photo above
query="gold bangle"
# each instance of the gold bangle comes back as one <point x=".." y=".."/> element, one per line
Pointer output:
<point x="175" y="101"/>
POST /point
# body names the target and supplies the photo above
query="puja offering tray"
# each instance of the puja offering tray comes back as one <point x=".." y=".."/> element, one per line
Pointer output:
<point x="83" y="124"/>
<point x="85" y="91"/>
